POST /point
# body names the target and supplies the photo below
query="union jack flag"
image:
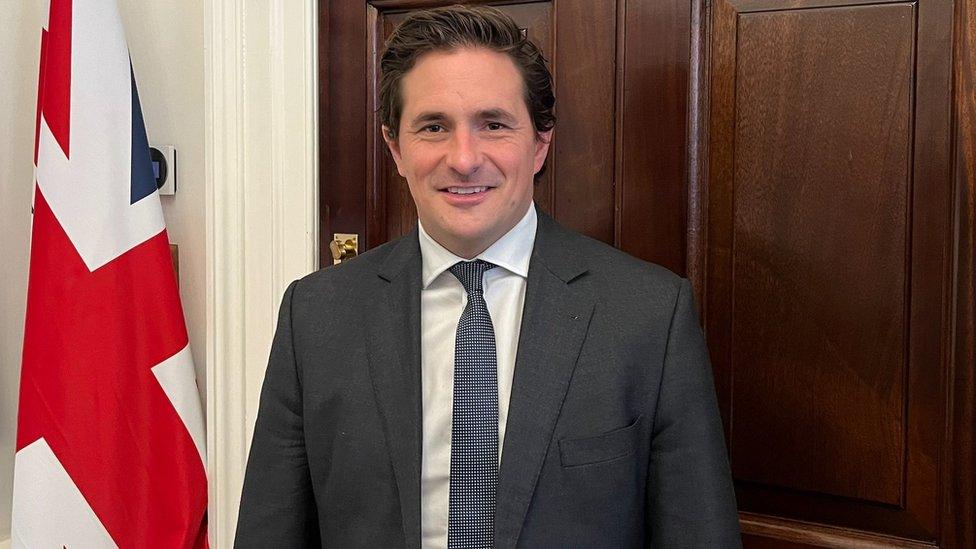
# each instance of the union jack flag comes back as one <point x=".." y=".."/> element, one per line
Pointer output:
<point x="110" y="434"/>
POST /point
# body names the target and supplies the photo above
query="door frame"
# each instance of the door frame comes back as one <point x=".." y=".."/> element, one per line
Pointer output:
<point x="260" y="71"/>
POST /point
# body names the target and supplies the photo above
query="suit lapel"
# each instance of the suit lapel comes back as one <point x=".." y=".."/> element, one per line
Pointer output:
<point x="554" y="324"/>
<point x="394" y="366"/>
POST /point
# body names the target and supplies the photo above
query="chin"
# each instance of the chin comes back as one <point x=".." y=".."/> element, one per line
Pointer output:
<point x="468" y="235"/>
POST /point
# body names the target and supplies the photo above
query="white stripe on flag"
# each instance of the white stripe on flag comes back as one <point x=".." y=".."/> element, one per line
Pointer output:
<point x="49" y="510"/>
<point x="179" y="382"/>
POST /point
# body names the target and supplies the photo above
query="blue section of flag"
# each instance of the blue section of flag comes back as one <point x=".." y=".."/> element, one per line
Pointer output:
<point x="143" y="183"/>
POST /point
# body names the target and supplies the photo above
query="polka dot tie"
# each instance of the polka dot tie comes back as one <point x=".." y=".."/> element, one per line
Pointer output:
<point x="474" y="429"/>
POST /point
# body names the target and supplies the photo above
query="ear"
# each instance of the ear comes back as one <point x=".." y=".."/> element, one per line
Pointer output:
<point x="394" y="145"/>
<point x="542" y="141"/>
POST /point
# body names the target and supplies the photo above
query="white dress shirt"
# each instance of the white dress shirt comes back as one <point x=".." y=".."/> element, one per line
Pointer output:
<point x="442" y="301"/>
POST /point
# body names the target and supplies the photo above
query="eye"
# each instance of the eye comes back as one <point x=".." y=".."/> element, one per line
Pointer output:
<point x="495" y="126"/>
<point x="432" y="128"/>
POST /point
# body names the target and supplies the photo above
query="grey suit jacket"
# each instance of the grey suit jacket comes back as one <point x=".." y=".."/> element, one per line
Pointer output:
<point x="613" y="436"/>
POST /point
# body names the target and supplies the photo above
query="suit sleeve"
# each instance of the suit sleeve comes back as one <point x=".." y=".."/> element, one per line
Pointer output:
<point x="690" y="498"/>
<point x="277" y="504"/>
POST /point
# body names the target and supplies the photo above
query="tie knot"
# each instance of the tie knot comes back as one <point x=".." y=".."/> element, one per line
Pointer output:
<point x="470" y="273"/>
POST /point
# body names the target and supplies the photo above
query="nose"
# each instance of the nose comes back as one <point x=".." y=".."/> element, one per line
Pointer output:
<point x="463" y="156"/>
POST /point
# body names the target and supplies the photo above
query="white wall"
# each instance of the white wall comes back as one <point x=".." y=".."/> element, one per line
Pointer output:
<point x="165" y="40"/>
<point x="20" y="42"/>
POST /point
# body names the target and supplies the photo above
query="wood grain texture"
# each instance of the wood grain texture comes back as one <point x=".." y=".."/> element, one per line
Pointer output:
<point x="324" y="75"/>
<point x="821" y="186"/>
<point x="582" y="154"/>
<point x="717" y="287"/>
<point x="827" y="259"/>
<point x="760" y="532"/>
<point x="652" y="199"/>
<point x="752" y="6"/>
<point x="698" y="105"/>
<point x="378" y="160"/>
<point x="959" y="476"/>
<point x="931" y="252"/>
<point x="342" y="130"/>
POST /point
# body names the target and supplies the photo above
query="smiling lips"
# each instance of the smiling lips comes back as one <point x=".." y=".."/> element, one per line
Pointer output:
<point x="466" y="197"/>
<point x="466" y="190"/>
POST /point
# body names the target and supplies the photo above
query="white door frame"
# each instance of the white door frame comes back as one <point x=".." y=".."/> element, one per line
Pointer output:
<point x="262" y="212"/>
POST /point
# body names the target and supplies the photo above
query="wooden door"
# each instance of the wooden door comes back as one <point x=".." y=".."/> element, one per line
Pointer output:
<point x="828" y="287"/>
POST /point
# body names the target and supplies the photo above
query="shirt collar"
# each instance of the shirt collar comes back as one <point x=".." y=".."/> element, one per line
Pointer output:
<point x="512" y="251"/>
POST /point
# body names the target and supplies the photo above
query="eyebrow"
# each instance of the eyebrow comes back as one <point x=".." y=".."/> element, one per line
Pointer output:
<point x="484" y="114"/>
<point x="428" y="117"/>
<point x="497" y="114"/>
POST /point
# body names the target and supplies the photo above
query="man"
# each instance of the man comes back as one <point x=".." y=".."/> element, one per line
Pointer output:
<point x="492" y="379"/>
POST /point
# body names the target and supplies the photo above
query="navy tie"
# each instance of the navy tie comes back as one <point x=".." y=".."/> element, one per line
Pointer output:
<point x="474" y="429"/>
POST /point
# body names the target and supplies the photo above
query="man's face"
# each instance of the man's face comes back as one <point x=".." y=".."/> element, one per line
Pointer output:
<point x="467" y="146"/>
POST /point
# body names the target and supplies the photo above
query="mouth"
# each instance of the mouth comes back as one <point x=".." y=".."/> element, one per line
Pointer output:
<point x="466" y="190"/>
<point x="466" y="196"/>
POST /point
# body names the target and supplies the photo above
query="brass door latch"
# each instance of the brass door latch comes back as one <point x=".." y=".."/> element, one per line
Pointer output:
<point x="344" y="246"/>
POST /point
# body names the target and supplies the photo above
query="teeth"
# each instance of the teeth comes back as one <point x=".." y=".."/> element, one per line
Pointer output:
<point x="466" y="190"/>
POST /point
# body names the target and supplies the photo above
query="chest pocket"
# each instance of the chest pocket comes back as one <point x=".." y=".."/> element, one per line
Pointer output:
<point x="615" y="444"/>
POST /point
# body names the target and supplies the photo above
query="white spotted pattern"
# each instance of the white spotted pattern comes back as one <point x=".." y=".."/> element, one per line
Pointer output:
<point x="474" y="430"/>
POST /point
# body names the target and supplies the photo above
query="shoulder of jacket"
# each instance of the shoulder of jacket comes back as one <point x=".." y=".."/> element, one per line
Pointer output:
<point x="347" y="274"/>
<point x="604" y="260"/>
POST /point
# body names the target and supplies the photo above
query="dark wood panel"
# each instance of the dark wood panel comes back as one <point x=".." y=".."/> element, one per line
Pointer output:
<point x="959" y="475"/>
<point x="761" y="532"/>
<point x="582" y="157"/>
<point x="652" y="194"/>
<point x="823" y="138"/>
<point x="324" y="53"/>
<point x="716" y="286"/>
<point x="827" y="259"/>
<point x="697" y="139"/>
<point x="809" y="507"/>
<point x="342" y="133"/>
<point x="931" y="244"/>
<point x="748" y="6"/>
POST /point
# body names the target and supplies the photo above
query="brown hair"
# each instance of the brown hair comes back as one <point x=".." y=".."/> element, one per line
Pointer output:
<point x="455" y="27"/>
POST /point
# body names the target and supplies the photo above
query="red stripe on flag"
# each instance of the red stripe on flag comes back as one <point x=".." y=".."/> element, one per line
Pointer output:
<point x="90" y="341"/>
<point x="54" y="93"/>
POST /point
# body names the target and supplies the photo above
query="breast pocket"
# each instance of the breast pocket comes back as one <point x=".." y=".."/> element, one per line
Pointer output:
<point x="609" y="446"/>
